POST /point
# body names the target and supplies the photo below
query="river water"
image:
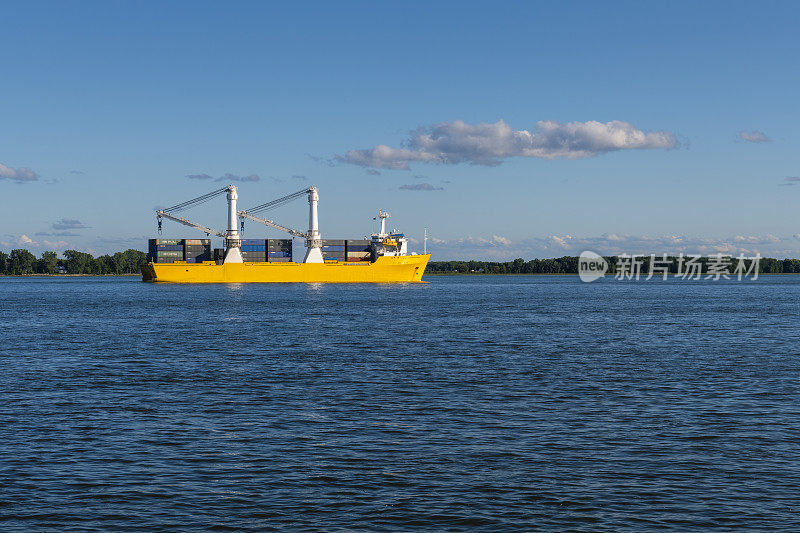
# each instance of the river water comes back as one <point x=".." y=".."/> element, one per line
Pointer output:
<point x="467" y="403"/>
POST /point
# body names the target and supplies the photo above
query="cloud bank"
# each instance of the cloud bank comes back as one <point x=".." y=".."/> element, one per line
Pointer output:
<point x="489" y="144"/>
<point x="503" y="249"/>
<point x="226" y="177"/>
<point x="754" y="136"/>
<point x="23" y="241"/>
<point x="19" y="175"/>
<point x="69" y="223"/>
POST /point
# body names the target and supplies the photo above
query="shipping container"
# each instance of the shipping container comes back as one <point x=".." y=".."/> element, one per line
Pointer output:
<point x="359" y="245"/>
<point x="333" y="242"/>
<point x="279" y="257"/>
<point x="279" y="244"/>
<point x="154" y="242"/>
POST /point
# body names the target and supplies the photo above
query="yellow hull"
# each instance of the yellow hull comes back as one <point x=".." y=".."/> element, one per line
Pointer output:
<point x="405" y="269"/>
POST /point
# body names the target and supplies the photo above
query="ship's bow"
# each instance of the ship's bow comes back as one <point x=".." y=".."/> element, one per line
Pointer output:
<point x="148" y="272"/>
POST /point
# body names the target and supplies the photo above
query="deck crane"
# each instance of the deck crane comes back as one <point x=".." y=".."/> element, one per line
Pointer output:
<point x="312" y="236"/>
<point x="233" y="243"/>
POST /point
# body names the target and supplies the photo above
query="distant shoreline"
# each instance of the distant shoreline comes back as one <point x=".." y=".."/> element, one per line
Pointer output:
<point x="643" y="274"/>
<point x="426" y="274"/>
<point x="67" y="275"/>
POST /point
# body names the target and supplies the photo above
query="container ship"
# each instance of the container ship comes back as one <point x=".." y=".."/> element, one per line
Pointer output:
<point x="383" y="258"/>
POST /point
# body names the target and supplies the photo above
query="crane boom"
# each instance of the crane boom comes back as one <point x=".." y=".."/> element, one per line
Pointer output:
<point x="280" y="201"/>
<point x="270" y="223"/>
<point x="207" y="231"/>
<point x="196" y="201"/>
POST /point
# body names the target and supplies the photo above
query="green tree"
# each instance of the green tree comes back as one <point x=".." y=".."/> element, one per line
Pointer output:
<point x="105" y="265"/>
<point x="79" y="262"/>
<point x="48" y="264"/>
<point x="21" y="262"/>
<point x="133" y="261"/>
<point x="3" y="263"/>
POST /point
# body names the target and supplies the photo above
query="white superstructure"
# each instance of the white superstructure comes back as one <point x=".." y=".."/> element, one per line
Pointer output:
<point x="388" y="244"/>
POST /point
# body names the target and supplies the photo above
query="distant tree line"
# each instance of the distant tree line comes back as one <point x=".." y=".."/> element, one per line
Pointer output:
<point x="569" y="265"/>
<point x="22" y="262"/>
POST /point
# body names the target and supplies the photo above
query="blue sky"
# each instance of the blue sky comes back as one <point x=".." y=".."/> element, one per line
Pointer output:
<point x="622" y="123"/>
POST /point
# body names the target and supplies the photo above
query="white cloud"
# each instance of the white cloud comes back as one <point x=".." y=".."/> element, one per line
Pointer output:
<point x="560" y="242"/>
<point x="754" y="136"/>
<point x="20" y="175"/>
<point x="611" y="244"/>
<point x="752" y="239"/>
<point x="489" y="144"/>
<point x="24" y="241"/>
